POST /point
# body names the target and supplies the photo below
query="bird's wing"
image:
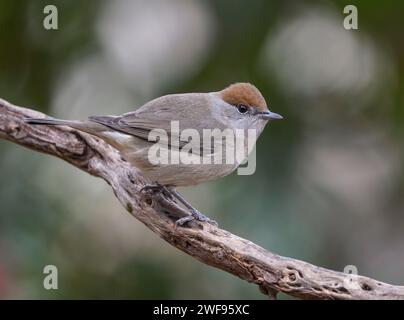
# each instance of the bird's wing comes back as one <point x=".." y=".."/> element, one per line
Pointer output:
<point x="159" y="114"/>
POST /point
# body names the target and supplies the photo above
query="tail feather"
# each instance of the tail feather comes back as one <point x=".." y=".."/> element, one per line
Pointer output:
<point x="86" y="126"/>
<point x="76" y="124"/>
<point x="51" y="122"/>
<point x="97" y="126"/>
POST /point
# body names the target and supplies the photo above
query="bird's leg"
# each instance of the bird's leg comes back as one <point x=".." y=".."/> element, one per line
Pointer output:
<point x="157" y="187"/>
<point x="173" y="194"/>
<point x="195" y="214"/>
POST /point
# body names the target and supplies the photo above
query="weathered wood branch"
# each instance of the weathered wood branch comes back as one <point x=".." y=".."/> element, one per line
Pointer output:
<point x="211" y="245"/>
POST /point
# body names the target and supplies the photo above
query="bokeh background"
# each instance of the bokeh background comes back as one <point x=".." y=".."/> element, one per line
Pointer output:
<point x="329" y="185"/>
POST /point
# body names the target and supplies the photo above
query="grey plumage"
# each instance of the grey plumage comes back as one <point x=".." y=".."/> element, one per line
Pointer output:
<point x="129" y="133"/>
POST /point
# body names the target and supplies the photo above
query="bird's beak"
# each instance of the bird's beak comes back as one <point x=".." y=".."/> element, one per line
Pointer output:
<point x="268" y="115"/>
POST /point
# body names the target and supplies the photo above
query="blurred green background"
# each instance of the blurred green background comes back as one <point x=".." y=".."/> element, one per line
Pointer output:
<point x="329" y="182"/>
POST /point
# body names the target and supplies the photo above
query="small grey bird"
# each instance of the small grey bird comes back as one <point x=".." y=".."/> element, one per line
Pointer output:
<point x="237" y="108"/>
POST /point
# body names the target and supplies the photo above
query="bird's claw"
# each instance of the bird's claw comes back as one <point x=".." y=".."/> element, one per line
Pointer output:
<point x="195" y="215"/>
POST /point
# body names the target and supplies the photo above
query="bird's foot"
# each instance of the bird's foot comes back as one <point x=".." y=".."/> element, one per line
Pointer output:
<point x="195" y="215"/>
<point x="174" y="195"/>
<point x="156" y="187"/>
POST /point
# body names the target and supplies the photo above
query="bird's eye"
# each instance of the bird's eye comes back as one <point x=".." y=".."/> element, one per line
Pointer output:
<point x="242" y="108"/>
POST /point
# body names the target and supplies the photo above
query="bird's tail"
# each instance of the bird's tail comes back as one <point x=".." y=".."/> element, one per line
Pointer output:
<point x="52" y="122"/>
<point x="90" y="127"/>
<point x="86" y="126"/>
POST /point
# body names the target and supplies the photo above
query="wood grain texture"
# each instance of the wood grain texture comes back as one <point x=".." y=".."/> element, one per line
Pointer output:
<point x="211" y="245"/>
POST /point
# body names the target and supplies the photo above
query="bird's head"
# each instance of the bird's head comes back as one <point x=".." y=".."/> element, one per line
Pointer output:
<point x="248" y="101"/>
<point x="243" y="106"/>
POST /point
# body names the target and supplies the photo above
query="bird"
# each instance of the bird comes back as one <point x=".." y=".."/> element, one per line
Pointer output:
<point x="239" y="107"/>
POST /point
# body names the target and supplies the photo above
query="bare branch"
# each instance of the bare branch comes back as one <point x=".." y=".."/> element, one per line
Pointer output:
<point x="210" y="245"/>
